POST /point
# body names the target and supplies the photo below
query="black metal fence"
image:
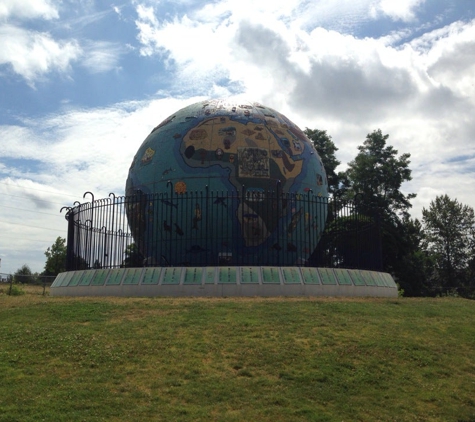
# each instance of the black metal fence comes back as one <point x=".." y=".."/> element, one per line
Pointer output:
<point x="220" y="228"/>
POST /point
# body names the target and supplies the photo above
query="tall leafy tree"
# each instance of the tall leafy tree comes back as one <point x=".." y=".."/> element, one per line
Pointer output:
<point x="377" y="174"/>
<point x="23" y="275"/>
<point x="326" y="150"/>
<point x="374" y="179"/>
<point x="450" y="238"/>
<point x="56" y="257"/>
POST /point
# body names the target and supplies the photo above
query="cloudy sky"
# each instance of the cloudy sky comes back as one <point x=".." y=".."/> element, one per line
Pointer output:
<point x="83" y="82"/>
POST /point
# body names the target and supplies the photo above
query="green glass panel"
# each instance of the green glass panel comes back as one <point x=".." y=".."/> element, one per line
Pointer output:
<point x="76" y="277"/>
<point x="86" y="277"/>
<point x="99" y="277"/>
<point x="327" y="276"/>
<point x="291" y="275"/>
<point x="66" y="279"/>
<point x="389" y="280"/>
<point x="368" y="278"/>
<point x="378" y="279"/>
<point x="250" y="275"/>
<point x="115" y="276"/>
<point x="57" y="281"/>
<point x="358" y="279"/>
<point x="171" y="275"/>
<point x="193" y="275"/>
<point x="151" y="275"/>
<point x="209" y="275"/>
<point x="270" y="275"/>
<point x="227" y="275"/>
<point x="310" y="275"/>
<point x="343" y="277"/>
<point x="382" y="276"/>
<point x="132" y="276"/>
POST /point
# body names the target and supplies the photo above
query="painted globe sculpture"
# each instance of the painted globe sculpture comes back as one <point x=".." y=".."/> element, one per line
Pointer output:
<point x="220" y="182"/>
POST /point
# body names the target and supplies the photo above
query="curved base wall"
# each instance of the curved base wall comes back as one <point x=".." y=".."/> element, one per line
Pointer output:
<point x="224" y="281"/>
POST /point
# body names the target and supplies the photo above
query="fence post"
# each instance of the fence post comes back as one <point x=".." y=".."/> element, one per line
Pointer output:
<point x="380" y="241"/>
<point x="357" y="199"/>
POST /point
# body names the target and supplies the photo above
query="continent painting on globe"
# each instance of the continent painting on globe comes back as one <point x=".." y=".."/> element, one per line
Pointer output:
<point x="243" y="165"/>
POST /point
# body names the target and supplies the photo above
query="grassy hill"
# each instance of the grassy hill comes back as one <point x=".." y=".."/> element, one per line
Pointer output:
<point x="279" y="359"/>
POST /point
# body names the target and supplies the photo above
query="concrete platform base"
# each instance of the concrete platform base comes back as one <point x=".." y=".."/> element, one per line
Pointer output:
<point x="224" y="281"/>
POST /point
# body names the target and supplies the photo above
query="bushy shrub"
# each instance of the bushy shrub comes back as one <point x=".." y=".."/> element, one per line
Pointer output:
<point x="15" y="290"/>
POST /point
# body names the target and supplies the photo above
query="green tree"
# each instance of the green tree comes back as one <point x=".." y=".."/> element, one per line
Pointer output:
<point x="450" y="239"/>
<point x="412" y="266"/>
<point x="79" y="263"/>
<point x="97" y="265"/>
<point x="326" y="150"/>
<point x="56" y="257"/>
<point x="23" y="275"/>
<point x="470" y="285"/>
<point x="349" y="242"/>
<point x="374" y="179"/>
<point x="377" y="174"/>
<point x="133" y="257"/>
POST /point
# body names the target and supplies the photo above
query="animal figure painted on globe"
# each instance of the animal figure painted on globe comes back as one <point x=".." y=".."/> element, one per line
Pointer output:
<point x="242" y="164"/>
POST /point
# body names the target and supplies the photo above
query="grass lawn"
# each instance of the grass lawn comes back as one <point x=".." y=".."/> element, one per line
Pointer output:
<point x="254" y="359"/>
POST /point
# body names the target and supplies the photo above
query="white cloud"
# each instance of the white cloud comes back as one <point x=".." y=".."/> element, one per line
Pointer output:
<point x="101" y="56"/>
<point x="274" y="59"/>
<point x="450" y="58"/>
<point x="117" y="10"/>
<point x="28" y="9"/>
<point x="30" y="222"/>
<point x="86" y="149"/>
<point x="403" y="10"/>
<point x="147" y="25"/>
<point x="325" y="66"/>
<point x="34" y="54"/>
<point x="87" y="17"/>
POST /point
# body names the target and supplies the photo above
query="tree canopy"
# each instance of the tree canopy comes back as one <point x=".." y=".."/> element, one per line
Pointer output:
<point x="376" y="175"/>
<point x="56" y="257"/>
<point x="326" y="150"/>
<point x="23" y="275"/>
<point x="449" y="228"/>
<point x="133" y="257"/>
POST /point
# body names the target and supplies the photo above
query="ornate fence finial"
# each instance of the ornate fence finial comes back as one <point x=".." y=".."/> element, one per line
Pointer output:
<point x="90" y="193"/>
<point x="67" y="212"/>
